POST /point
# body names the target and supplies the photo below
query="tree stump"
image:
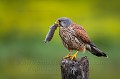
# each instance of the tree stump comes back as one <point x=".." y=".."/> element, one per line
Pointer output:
<point x="75" y="69"/>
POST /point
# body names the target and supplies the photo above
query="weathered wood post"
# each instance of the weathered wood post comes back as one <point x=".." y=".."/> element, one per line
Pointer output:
<point x="75" y="69"/>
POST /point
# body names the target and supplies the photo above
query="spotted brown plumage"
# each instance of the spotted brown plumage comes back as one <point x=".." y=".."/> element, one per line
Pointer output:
<point x="80" y="33"/>
<point x="68" y="36"/>
<point x="74" y="37"/>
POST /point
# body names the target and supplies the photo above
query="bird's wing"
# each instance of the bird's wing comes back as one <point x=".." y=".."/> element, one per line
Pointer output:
<point x="80" y="33"/>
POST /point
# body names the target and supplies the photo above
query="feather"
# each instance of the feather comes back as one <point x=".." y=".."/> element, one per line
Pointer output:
<point x="80" y="33"/>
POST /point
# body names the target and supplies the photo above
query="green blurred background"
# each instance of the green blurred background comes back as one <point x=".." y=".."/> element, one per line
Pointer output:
<point x="25" y="23"/>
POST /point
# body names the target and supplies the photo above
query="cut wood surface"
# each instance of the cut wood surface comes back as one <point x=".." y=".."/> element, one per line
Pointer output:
<point x="75" y="69"/>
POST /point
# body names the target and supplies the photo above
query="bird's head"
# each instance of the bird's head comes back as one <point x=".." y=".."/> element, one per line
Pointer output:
<point x="63" y="22"/>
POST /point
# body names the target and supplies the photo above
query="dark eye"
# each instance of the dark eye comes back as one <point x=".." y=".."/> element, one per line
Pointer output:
<point x="59" y="20"/>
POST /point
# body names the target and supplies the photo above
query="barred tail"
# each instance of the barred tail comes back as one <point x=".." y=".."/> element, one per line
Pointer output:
<point x="95" y="51"/>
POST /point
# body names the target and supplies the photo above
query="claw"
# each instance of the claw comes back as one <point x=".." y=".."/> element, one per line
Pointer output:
<point x="68" y="56"/>
<point x="74" y="56"/>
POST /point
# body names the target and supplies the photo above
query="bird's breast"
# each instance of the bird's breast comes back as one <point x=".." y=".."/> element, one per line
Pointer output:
<point x="70" y="40"/>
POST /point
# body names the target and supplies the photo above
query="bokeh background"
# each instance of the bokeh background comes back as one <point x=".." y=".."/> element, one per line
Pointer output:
<point x="25" y="23"/>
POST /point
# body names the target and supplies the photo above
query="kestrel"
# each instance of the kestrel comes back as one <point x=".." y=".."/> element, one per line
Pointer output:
<point x="73" y="37"/>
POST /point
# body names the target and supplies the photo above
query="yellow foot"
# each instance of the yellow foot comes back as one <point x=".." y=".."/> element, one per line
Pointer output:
<point x="68" y="56"/>
<point x="74" y="56"/>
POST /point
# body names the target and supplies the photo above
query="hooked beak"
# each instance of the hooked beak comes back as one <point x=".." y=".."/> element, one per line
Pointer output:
<point x="57" y="23"/>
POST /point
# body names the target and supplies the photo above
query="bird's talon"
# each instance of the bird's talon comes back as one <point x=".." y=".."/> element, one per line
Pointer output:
<point x="74" y="56"/>
<point x="68" y="56"/>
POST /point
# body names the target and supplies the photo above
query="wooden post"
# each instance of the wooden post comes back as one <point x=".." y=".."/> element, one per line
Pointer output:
<point x="75" y="69"/>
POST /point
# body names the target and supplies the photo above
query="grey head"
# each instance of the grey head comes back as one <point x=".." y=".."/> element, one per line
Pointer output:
<point x="63" y="22"/>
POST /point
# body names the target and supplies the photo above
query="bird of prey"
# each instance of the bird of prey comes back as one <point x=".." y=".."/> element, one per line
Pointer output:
<point x="73" y="37"/>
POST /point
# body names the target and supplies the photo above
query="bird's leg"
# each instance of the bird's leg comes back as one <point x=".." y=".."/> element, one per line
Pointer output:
<point x="74" y="56"/>
<point x="69" y="54"/>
